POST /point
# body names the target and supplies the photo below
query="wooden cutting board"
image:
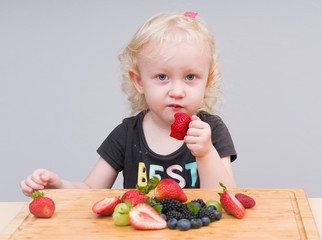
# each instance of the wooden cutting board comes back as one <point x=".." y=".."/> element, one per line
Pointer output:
<point x="278" y="214"/>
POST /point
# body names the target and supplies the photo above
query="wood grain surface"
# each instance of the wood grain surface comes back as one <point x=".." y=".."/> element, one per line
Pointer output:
<point x="278" y="214"/>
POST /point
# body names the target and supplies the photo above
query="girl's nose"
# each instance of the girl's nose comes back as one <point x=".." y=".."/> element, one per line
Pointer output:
<point x="176" y="90"/>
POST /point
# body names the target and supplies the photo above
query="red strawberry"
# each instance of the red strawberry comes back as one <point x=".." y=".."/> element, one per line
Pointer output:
<point x="105" y="206"/>
<point x="169" y="188"/>
<point x="144" y="217"/>
<point x="231" y="204"/>
<point x="247" y="201"/>
<point x="180" y="125"/>
<point x="134" y="196"/>
<point x="42" y="207"/>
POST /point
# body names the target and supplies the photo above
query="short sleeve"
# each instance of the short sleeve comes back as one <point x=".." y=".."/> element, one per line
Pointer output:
<point x="113" y="147"/>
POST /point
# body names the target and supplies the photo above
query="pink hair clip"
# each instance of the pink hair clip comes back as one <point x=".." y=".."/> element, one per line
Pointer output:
<point x="190" y="14"/>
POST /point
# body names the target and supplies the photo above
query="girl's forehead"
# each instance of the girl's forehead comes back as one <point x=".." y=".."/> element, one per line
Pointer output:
<point x="168" y="48"/>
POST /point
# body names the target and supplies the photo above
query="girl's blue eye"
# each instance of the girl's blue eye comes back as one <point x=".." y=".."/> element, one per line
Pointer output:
<point x="162" y="77"/>
<point x="190" y="77"/>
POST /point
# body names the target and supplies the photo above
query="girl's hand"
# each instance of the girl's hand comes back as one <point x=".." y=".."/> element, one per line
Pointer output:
<point x="40" y="179"/>
<point x="198" y="138"/>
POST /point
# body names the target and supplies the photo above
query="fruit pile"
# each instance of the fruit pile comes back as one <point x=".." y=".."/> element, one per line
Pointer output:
<point x="168" y="207"/>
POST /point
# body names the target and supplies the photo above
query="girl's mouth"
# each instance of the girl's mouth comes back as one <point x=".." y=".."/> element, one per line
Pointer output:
<point x="175" y="106"/>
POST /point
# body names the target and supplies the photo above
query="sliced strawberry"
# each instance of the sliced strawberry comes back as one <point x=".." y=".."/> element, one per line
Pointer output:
<point x="105" y="206"/>
<point x="144" y="217"/>
<point x="231" y="204"/>
<point x="134" y="196"/>
<point x="247" y="201"/>
<point x="180" y="125"/>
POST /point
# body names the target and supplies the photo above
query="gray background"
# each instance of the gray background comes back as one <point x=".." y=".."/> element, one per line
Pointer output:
<point x="60" y="85"/>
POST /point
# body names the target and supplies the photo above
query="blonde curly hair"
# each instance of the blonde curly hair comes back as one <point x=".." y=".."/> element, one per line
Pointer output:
<point x="157" y="30"/>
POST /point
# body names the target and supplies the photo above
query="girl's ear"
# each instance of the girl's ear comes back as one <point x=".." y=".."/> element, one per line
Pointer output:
<point x="136" y="79"/>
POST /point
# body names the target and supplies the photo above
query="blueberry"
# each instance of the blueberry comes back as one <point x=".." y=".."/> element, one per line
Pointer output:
<point x="183" y="224"/>
<point x="205" y="221"/>
<point x="218" y="215"/>
<point x="196" y="223"/>
<point x="172" y="223"/>
<point x="211" y="208"/>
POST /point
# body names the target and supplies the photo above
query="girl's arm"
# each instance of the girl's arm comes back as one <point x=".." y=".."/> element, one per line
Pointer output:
<point x="101" y="176"/>
<point x="213" y="169"/>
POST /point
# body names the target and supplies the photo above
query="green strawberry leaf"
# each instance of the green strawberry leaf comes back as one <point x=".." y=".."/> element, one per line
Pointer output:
<point x="223" y="186"/>
<point x="193" y="208"/>
<point x="151" y="201"/>
<point x="152" y="184"/>
<point x="36" y="194"/>
<point x="155" y="204"/>
<point x="158" y="208"/>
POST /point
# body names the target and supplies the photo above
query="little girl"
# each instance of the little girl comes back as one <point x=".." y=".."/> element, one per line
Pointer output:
<point x="169" y="66"/>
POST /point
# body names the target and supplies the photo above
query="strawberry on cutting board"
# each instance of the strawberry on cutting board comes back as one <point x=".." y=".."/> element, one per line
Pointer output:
<point x="40" y="206"/>
<point x="231" y="204"/>
<point x="169" y="188"/>
<point x="134" y="196"/>
<point x="144" y="217"/>
<point x="105" y="206"/>
<point x="247" y="201"/>
<point x="164" y="188"/>
<point x="180" y="125"/>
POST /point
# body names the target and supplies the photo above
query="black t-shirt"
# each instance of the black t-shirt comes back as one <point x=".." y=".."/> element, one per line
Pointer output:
<point x="126" y="149"/>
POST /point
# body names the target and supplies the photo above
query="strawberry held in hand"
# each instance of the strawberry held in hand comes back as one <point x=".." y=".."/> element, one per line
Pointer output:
<point x="42" y="207"/>
<point x="105" y="206"/>
<point x="180" y="125"/>
<point x="231" y="204"/>
<point x="169" y="188"/>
